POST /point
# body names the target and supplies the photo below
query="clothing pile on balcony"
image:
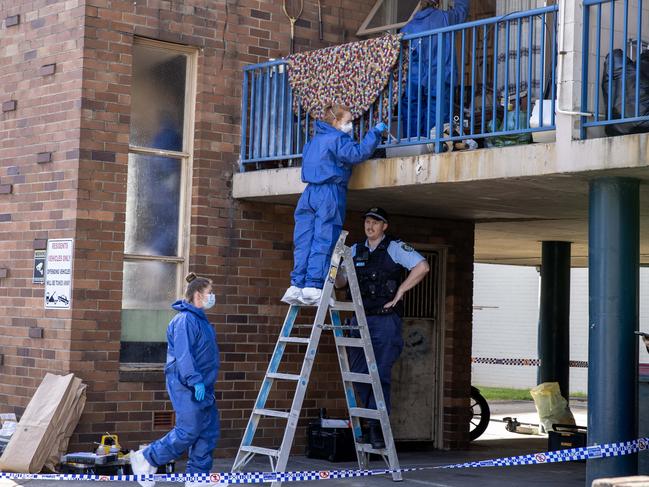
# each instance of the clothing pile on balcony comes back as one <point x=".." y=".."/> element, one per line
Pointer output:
<point x="622" y="86"/>
<point x="354" y="74"/>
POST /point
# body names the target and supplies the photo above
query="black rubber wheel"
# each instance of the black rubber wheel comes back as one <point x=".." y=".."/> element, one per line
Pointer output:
<point x="480" y="414"/>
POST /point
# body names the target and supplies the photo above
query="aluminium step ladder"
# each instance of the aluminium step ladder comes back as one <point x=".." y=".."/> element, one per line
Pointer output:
<point x="279" y="457"/>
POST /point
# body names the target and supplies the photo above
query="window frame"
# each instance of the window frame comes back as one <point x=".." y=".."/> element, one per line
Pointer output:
<point x="364" y="31"/>
<point x="185" y="157"/>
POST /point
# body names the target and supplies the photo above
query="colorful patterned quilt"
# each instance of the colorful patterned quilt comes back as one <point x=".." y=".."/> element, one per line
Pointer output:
<point x="355" y="74"/>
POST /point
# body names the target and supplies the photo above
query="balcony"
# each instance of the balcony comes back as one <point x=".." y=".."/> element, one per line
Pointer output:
<point x="615" y="67"/>
<point x="523" y="187"/>
<point x="499" y="70"/>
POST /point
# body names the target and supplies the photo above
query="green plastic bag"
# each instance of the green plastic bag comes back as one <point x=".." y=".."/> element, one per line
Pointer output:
<point x="512" y="139"/>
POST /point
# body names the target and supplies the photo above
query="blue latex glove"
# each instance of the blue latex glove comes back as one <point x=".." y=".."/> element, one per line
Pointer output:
<point x="199" y="391"/>
<point x="381" y="126"/>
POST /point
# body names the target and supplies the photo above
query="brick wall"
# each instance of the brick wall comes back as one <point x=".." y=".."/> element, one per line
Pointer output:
<point x="40" y="92"/>
<point x="81" y="115"/>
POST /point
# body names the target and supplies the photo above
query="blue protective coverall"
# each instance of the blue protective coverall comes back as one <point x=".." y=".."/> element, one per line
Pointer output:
<point x="192" y="357"/>
<point x="423" y="68"/>
<point x="327" y="162"/>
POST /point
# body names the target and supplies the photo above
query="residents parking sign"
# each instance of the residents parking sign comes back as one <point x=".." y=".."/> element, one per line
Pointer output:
<point x="58" y="273"/>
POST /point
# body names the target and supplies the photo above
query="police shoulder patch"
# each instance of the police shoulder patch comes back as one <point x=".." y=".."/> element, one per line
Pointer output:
<point x="407" y="247"/>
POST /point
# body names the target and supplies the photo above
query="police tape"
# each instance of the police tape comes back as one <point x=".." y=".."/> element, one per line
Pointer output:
<point x="227" y="478"/>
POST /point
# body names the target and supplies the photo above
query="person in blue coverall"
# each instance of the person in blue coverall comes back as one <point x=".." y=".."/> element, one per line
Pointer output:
<point x="191" y="370"/>
<point x="379" y="262"/>
<point x="429" y="17"/>
<point x="327" y="162"/>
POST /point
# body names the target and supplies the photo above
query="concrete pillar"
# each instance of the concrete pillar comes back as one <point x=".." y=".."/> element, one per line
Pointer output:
<point x="554" y="315"/>
<point x="613" y="256"/>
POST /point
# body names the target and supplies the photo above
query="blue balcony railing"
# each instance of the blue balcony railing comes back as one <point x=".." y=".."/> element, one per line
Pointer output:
<point x="615" y="67"/>
<point x="493" y="73"/>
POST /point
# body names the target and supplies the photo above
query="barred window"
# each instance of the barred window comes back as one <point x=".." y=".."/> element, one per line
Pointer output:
<point x="422" y="301"/>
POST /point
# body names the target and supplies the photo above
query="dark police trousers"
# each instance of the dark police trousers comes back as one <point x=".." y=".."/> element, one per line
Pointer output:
<point x="387" y="343"/>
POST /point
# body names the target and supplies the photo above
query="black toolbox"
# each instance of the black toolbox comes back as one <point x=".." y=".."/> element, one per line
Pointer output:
<point x="565" y="436"/>
<point x="333" y="444"/>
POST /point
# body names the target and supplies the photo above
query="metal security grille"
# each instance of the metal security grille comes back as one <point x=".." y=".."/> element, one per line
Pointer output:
<point x="421" y="301"/>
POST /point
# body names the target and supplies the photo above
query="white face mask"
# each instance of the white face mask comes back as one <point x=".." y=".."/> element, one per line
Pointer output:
<point x="348" y="128"/>
<point x="211" y="301"/>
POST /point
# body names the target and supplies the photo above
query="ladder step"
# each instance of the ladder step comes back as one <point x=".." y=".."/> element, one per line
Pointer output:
<point x="271" y="412"/>
<point x="365" y="413"/>
<point x="294" y="340"/>
<point x="260" y="451"/>
<point x="367" y="448"/>
<point x="343" y="306"/>
<point x="349" y="342"/>
<point x="361" y="378"/>
<point x="294" y="377"/>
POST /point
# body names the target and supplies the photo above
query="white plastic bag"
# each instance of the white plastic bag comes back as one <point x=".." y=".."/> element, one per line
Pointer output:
<point x="551" y="405"/>
<point x="9" y="423"/>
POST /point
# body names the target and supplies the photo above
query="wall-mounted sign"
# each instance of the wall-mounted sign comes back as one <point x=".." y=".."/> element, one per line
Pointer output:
<point x="58" y="273"/>
<point x="39" y="266"/>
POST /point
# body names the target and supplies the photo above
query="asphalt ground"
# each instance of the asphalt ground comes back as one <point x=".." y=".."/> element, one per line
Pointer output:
<point x="496" y="442"/>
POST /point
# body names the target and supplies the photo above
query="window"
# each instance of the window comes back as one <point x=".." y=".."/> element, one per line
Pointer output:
<point x="388" y="15"/>
<point x="157" y="195"/>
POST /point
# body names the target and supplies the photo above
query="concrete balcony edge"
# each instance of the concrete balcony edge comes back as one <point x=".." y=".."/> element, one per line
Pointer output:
<point x="524" y="161"/>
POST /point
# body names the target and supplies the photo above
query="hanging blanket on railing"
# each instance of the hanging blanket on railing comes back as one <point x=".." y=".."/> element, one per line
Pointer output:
<point x="355" y="74"/>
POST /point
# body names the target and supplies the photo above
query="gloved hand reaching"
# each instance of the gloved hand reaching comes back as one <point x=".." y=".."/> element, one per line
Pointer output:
<point x="381" y="126"/>
<point x="199" y="391"/>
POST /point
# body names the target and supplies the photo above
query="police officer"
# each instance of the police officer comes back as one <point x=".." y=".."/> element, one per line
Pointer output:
<point x="379" y="262"/>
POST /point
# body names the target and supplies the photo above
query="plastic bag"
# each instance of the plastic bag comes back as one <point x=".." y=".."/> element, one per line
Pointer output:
<point x="449" y="145"/>
<point x="9" y="424"/>
<point x="511" y="139"/>
<point x="621" y="65"/>
<point x="551" y="405"/>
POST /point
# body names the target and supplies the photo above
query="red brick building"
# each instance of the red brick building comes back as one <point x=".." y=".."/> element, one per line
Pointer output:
<point x="83" y="84"/>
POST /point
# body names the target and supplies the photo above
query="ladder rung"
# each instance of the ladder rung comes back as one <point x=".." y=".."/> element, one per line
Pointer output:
<point x="349" y="342"/>
<point x="353" y="377"/>
<point x="294" y="340"/>
<point x="343" y="306"/>
<point x="367" y="448"/>
<point x="257" y="450"/>
<point x="283" y="376"/>
<point x="271" y="412"/>
<point x="365" y="413"/>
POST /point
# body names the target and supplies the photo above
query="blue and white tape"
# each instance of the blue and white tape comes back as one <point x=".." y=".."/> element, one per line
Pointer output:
<point x="227" y="478"/>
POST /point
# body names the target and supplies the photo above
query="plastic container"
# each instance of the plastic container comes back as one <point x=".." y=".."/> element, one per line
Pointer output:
<point x="406" y="150"/>
<point x="333" y="444"/>
<point x="548" y="135"/>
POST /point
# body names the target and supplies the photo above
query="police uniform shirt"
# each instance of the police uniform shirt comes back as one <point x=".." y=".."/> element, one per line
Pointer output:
<point x="400" y="252"/>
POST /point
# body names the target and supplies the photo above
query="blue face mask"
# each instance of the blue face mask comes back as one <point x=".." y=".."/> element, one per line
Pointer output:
<point x="211" y="301"/>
